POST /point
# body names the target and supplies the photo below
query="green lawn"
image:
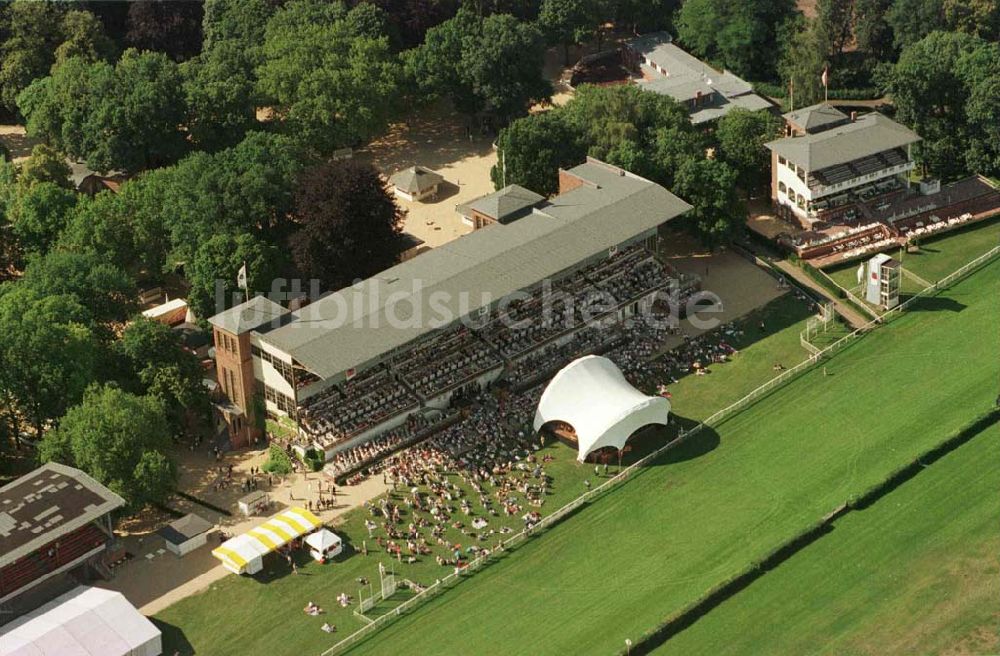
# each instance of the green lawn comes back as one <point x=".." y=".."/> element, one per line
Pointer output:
<point x="624" y="563"/>
<point x="916" y="573"/>
<point x="197" y="625"/>
<point x="937" y="257"/>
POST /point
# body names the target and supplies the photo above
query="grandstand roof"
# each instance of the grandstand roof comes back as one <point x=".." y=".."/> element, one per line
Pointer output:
<point x="688" y="77"/>
<point x="47" y="503"/>
<point x="358" y="324"/>
<point x="415" y="179"/>
<point x="868" y="135"/>
<point x="249" y="315"/>
<point x="816" y="117"/>
<point x="591" y="395"/>
<point x="503" y="203"/>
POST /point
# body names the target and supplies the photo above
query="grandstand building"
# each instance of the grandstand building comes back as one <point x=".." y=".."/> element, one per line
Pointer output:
<point x="831" y="161"/>
<point x="841" y="186"/>
<point x="388" y="352"/>
<point x="52" y="520"/>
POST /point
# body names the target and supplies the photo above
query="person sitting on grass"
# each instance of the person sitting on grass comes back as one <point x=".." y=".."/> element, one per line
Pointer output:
<point x="328" y="628"/>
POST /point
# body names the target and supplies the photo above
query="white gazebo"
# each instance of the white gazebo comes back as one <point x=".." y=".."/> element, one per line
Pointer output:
<point x="593" y="397"/>
<point x="324" y="544"/>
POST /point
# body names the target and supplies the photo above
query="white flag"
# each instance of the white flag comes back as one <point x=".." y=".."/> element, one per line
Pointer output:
<point x="861" y="273"/>
<point x="241" y="277"/>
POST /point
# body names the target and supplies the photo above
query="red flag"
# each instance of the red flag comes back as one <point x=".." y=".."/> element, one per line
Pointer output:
<point x="826" y="76"/>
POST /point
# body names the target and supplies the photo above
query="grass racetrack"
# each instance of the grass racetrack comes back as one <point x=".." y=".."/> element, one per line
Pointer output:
<point x="916" y="573"/>
<point x="626" y="562"/>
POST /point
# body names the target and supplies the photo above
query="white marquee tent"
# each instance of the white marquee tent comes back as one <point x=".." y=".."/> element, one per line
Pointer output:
<point x="83" y="622"/>
<point x="324" y="544"/>
<point x="591" y="395"/>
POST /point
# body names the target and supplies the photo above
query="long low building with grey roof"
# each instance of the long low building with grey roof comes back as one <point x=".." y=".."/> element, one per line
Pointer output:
<point x="288" y="357"/>
<point x="706" y="93"/>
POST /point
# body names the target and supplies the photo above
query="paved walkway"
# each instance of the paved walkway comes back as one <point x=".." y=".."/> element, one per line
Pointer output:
<point x="852" y="316"/>
<point x="155" y="578"/>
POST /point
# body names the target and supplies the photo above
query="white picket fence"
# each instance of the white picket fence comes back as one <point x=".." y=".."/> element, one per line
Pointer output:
<point x="716" y="419"/>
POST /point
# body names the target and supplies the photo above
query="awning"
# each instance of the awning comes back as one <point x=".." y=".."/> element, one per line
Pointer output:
<point x="269" y="536"/>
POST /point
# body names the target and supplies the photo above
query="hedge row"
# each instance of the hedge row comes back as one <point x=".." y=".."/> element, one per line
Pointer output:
<point x="688" y="615"/>
<point x="781" y="91"/>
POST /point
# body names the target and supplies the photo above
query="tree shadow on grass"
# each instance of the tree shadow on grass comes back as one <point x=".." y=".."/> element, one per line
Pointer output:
<point x="174" y="640"/>
<point x="937" y="304"/>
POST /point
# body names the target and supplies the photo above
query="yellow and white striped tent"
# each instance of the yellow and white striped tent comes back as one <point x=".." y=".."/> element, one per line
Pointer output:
<point x="243" y="554"/>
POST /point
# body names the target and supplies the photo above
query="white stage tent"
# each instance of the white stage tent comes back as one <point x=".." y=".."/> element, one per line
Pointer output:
<point x="591" y="395"/>
<point x="324" y="544"/>
<point x="245" y="553"/>
<point x="83" y="622"/>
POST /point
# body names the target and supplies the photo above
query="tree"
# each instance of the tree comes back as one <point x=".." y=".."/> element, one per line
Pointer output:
<point x="47" y="355"/>
<point x="802" y="63"/>
<point x="912" y="20"/>
<point x="646" y="133"/>
<point x="212" y="273"/>
<point x="835" y="19"/>
<point x="349" y="224"/>
<point x="976" y="17"/>
<point x="99" y="436"/>
<point x="331" y="88"/>
<point x="503" y="66"/>
<point x="644" y="16"/>
<point x="412" y="19"/>
<point x="239" y="21"/>
<point x="938" y="84"/>
<point x="45" y="165"/>
<point x="742" y="134"/>
<point x="163" y="369"/>
<point x="105" y="291"/>
<point x="567" y="22"/>
<point x="173" y="28"/>
<point x="710" y="186"/>
<point x="741" y="35"/>
<point x="872" y="33"/>
<point x="531" y="150"/>
<point x="122" y="117"/>
<point x="369" y="20"/>
<point x="220" y="97"/>
<point x="435" y="64"/>
<point x="32" y="36"/>
<point x="84" y="38"/>
<point x="39" y="213"/>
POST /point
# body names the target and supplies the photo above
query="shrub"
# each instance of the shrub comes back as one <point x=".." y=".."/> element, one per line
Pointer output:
<point x="278" y="461"/>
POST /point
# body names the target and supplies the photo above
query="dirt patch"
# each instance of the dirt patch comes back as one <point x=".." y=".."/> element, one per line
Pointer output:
<point x="17" y="141"/>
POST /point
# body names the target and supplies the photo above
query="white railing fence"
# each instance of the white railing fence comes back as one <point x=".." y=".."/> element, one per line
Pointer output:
<point x="712" y="421"/>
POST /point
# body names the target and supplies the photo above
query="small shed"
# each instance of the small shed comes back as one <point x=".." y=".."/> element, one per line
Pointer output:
<point x="324" y="544"/>
<point x="253" y="503"/>
<point x="415" y="183"/>
<point x="186" y="534"/>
